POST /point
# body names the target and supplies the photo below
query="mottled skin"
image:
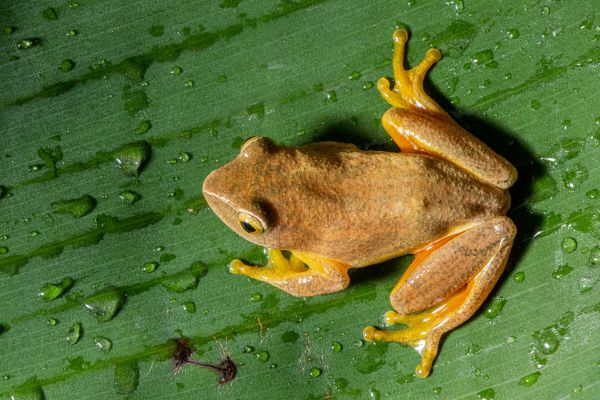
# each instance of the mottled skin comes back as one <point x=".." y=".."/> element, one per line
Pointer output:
<point x="336" y="207"/>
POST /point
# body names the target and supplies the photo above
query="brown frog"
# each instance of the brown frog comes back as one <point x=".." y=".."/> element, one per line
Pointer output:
<point x="333" y="207"/>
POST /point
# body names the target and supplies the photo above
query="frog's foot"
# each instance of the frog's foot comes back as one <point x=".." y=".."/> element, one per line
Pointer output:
<point x="408" y="91"/>
<point x="461" y="270"/>
<point x="300" y="275"/>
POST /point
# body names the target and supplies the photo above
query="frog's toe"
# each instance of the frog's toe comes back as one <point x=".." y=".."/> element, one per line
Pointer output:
<point x="370" y="333"/>
<point x="238" y="267"/>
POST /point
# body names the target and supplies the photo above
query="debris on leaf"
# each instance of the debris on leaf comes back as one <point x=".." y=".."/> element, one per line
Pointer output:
<point x="226" y="368"/>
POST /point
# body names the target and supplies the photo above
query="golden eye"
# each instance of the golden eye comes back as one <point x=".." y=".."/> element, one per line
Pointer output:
<point x="250" y="224"/>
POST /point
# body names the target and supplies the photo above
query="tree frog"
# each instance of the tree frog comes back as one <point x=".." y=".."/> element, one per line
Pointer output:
<point x="333" y="207"/>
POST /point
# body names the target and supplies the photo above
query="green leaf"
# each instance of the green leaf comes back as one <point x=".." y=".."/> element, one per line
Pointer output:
<point x="150" y="81"/>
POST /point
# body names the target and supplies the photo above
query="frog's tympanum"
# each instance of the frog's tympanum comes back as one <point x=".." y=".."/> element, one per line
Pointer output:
<point x="332" y="207"/>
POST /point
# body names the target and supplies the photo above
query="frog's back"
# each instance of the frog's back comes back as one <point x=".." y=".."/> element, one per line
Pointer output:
<point x="368" y="206"/>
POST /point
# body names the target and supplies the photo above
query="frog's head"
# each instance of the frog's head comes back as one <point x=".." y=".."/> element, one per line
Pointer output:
<point x="233" y="192"/>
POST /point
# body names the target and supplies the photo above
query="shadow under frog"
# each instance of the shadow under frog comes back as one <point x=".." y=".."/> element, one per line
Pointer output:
<point x="334" y="207"/>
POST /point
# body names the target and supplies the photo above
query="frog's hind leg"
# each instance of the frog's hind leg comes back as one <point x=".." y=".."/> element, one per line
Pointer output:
<point x="300" y="275"/>
<point x="408" y="91"/>
<point x="444" y="286"/>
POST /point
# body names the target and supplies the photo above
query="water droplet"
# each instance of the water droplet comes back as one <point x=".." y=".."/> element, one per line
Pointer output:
<point x="130" y="158"/>
<point x="519" y="276"/>
<point x="331" y="96"/>
<point x="74" y="333"/>
<point x="8" y="30"/>
<point x="586" y="284"/>
<point x="189" y="83"/>
<point x="545" y="10"/>
<point x="222" y="78"/>
<point x="143" y="127"/>
<point x="568" y="245"/>
<point x="566" y="123"/>
<point x="494" y="309"/>
<point x="256" y="110"/>
<point x="262" y="355"/>
<point x="510" y="339"/>
<point x="587" y="23"/>
<point x="184" y="156"/>
<point x="437" y="390"/>
<point x="72" y="33"/>
<point x="103" y="343"/>
<point x="359" y="343"/>
<point x="129" y="197"/>
<point x="367" y="85"/>
<point x="104" y="304"/>
<point x="336" y="347"/>
<point x="3" y="249"/>
<point x="51" y="322"/>
<point x="35" y="167"/>
<point x="29" y="390"/>
<point x="593" y="194"/>
<point x="487" y="394"/>
<point x="473" y="350"/>
<point x="574" y="177"/>
<point x="176" y="70"/>
<point x="189" y="307"/>
<point x="66" y="65"/>
<point x="156" y="30"/>
<point x="126" y="378"/>
<point x="341" y="384"/>
<point x="51" y="291"/>
<point x="172" y="161"/>
<point x="34" y="233"/>
<point x="315" y="372"/>
<point x="150" y="266"/>
<point x="247" y="349"/>
<point x="595" y="256"/>
<point x="513" y="33"/>
<point x="374" y="394"/>
<point x="256" y="297"/>
<point x="159" y="249"/>
<point x="546" y="341"/>
<point x="76" y="207"/>
<point x="354" y="75"/>
<point x="50" y="14"/>
<point x="536" y="104"/>
<point x="27" y="43"/>
<point x="530" y="379"/>
<point x="562" y="271"/>
<point x="484" y="58"/>
<point x="185" y="280"/>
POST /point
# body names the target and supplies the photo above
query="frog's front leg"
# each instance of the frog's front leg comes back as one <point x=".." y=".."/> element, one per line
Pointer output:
<point x="444" y="286"/>
<point x="301" y="275"/>
<point x="419" y="125"/>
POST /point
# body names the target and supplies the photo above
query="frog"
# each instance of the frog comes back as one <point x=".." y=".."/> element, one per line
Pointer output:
<point x="324" y="208"/>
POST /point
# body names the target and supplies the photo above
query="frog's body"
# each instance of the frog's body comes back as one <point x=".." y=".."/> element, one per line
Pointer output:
<point x="365" y="206"/>
<point x="335" y="207"/>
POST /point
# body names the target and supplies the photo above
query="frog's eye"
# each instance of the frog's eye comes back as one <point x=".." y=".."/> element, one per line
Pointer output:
<point x="250" y="223"/>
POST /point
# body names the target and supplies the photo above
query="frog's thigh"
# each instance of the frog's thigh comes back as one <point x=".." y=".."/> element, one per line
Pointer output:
<point x="416" y="132"/>
<point x="318" y="276"/>
<point x="450" y="284"/>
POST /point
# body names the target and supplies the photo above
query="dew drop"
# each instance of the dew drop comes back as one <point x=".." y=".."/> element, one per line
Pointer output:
<point x="130" y="158"/>
<point x="189" y="307"/>
<point x="262" y="355"/>
<point x="3" y="249"/>
<point x="8" y="30"/>
<point x="184" y="156"/>
<point x="513" y="33"/>
<point x="586" y="284"/>
<point x="568" y="245"/>
<point x="494" y="309"/>
<point x="331" y="96"/>
<point x="546" y="341"/>
<point x="129" y="197"/>
<point x="176" y="70"/>
<point x="354" y="75"/>
<point x="437" y="390"/>
<point x="341" y="384"/>
<point x="103" y="344"/>
<point x="336" y="347"/>
<point x="595" y="256"/>
<point x="256" y="297"/>
<point x="143" y="127"/>
<point x="71" y="33"/>
<point x="74" y="333"/>
<point x="574" y="177"/>
<point x="562" y="271"/>
<point x="150" y="266"/>
<point x="536" y="104"/>
<point x="104" y="304"/>
<point x="76" y="207"/>
<point x="185" y="280"/>
<point x="593" y="194"/>
<point x="29" y="390"/>
<point x="126" y="378"/>
<point x="315" y="372"/>
<point x="50" y="14"/>
<point x="51" y="322"/>
<point x="374" y="394"/>
<point x="487" y="394"/>
<point x="66" y="65"/>
<point x="247" y="349"/>
<point x="545" y="10"/>
<point x="519" y="276"/>
<point x="530" y="379"/>
<point x="367" y="85"/>
<point x="27" y="43"/>
<point x="51" y="291"/>
<point x="189" y="83"/>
